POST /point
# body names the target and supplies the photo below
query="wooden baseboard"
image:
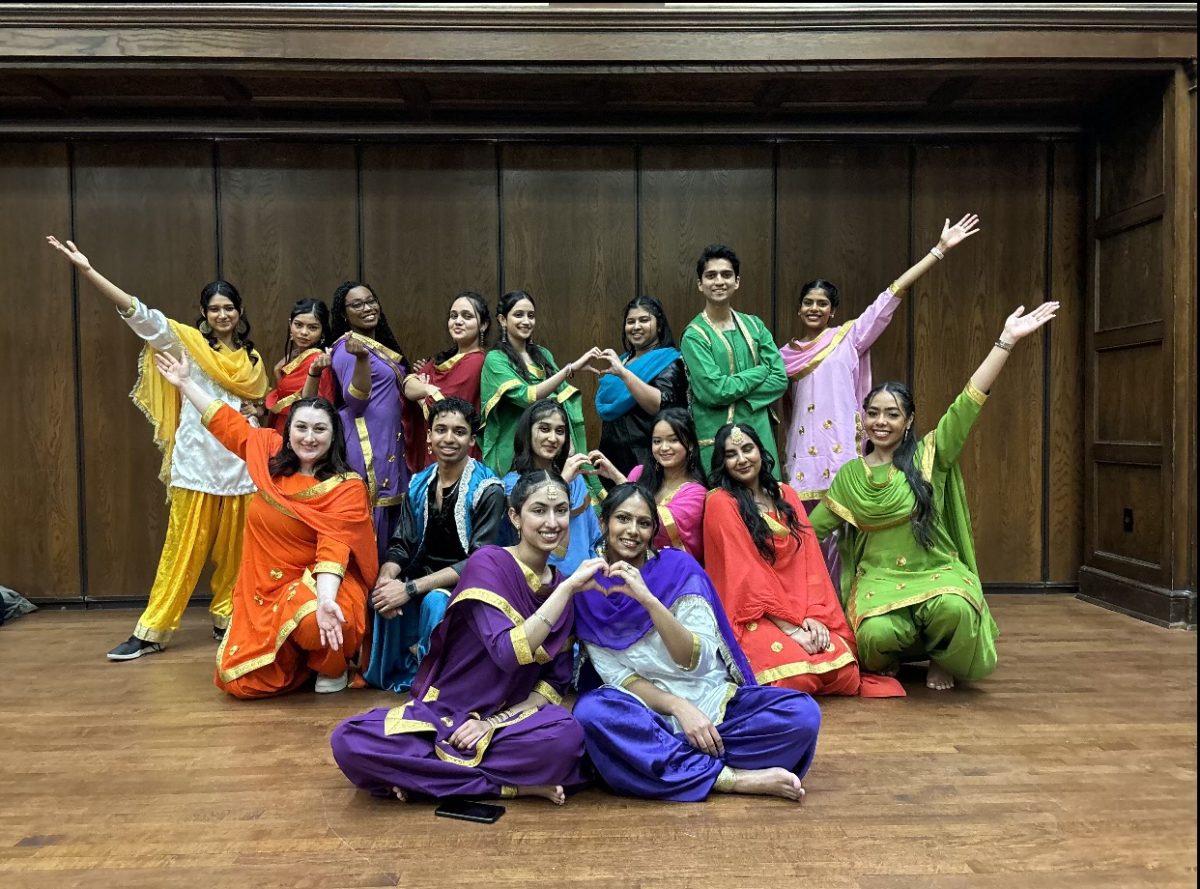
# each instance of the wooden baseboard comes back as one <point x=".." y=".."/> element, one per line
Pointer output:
<point x="1158" y="605"/>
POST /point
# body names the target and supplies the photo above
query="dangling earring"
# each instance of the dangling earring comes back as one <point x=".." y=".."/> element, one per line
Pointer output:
<point x="243" y="327"/>
<point x="204" y="327"/>
<point x="504" y="332"/>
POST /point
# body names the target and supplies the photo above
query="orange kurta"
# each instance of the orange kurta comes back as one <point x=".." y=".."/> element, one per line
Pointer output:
<point x="296" y="527"/>
<point x="794" y="588"/>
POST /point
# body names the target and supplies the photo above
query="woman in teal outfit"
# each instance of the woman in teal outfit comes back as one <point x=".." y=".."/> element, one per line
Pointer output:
<point x="909" y="583"/>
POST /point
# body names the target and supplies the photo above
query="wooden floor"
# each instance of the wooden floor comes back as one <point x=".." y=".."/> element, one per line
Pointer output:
<point x="1073" y="766"/>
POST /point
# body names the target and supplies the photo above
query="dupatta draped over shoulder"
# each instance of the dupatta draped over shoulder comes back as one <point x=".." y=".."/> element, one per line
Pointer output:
<point x="290" y="387"/>
<point x="458" y="377"/>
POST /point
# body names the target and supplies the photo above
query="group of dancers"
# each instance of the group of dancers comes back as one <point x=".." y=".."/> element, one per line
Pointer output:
<point x="443" y="528"/>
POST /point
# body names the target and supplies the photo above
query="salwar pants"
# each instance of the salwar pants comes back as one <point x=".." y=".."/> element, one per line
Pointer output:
<point x="545" y="748"/>
<point x="945" y="629"/>
<point x="637" y="753"/>
<point x="201" y="526"/>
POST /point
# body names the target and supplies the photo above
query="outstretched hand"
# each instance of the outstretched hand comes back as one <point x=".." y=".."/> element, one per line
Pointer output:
<point x="329" y="622"/>
<point x="952" y="235"/>
<point x="175" y="371"/>
<point x="1019" y="325"/>
<point x="71" y="252"/>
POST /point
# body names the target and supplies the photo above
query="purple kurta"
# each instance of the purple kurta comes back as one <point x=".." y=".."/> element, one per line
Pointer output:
<point x="371" y="422"/>
<point x="480" y="662"/>
<point x="831" y="377"/>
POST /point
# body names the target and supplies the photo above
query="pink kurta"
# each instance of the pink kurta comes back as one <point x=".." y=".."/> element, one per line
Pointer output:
<point x="830" y="378"/>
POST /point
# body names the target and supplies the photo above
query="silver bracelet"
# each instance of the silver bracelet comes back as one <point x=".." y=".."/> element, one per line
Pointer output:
<point x="543" y="619"/>
<point x="938" y="254"/>
<point x="1007" y="347"/>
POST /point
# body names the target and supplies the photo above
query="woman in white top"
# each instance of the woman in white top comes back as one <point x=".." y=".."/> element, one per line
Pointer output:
<point x="679" y="714"/>
<point x="208" y="487"/>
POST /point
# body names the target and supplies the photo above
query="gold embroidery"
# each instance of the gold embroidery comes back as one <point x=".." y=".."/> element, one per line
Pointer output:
<point x="975" y="394"/>
<point x="803" y="668"/>
<point x="368" y="453"/>
<point x="725" y="780"/>
<point x="694" y="662"/>
<point x="547" y="691"/>
<point x="776" y="647"/>
<point x="801" y="430"/>
<point x="811" y="408"/>
<point x="321" y="488"/>
<point x="431" y="694"/>
<point x="812" y="450"/>
<point x="329" y="568"/>
<point x="506" y="386"/>
<point x="837" y="448"/>
<point x="825" y="474"/>
<point x="901" y="561"/>
<point x="752" y="626"/>
<point x="816" y="360"/>
<point x="828" y="424"/>
<point x="901" y="586"/>
<point x="276" y="574"/>
<point x="355" y="392"/>
<point x="396" y="723"/>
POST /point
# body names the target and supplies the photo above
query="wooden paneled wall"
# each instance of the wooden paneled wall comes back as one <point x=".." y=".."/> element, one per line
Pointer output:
<point x="583" y="227"/>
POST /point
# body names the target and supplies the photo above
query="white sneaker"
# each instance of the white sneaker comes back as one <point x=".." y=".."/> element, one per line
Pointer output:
<point x="329" y="684"/>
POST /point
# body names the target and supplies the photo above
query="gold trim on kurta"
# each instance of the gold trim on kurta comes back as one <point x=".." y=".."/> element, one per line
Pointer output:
<point x="815" y="362"/>
<point x="211" y="411"/>
<point x="495" y="399"/>
<point x="262" y="660"/>
<point x="803" y="668"/>
<point x="284" y="403"/>
<point x="329" y="568"/>
<point x="482" y="744"/>
<point x="842" y="512"/>
<point x="396" y="723"/>
<point x="629" y="680"/>
<point x="454" y="359"/>
<point x="694" y="660"/>
<point x="275" y="504"/>
<point x="364" y="442"/>
<point x="928" y="455"/>
<point x="976" y="394"/>
<point x="521" y="647"/>
<point x="730" y="691"/>
<point x="132" y="310"/>
<point x="546" y="690"/>
<point x="431" y="694"/>
<point x="355" y="392"/>
<point x="297" y="361"/>
<point x="856" y="617"/>
<point x="322" y="488"/>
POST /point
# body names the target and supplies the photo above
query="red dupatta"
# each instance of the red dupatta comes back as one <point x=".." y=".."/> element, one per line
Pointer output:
<point x="457" y="376"/>
<point x="290" y="387"/>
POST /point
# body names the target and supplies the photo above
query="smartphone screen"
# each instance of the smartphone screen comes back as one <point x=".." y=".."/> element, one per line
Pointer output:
<point x="467" y="810"/>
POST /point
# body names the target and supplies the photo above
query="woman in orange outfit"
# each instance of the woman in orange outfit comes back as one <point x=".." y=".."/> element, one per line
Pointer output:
<point x="309" y="553"/>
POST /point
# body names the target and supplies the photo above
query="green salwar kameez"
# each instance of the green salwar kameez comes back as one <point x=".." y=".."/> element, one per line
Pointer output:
<point x="906" y="602"/>
<point x="504" y="395"/>
<point x="733" y="376"/>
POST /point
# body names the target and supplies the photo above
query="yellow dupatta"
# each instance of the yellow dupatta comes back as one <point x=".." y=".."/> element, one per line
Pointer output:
<point x="233" y="371"/>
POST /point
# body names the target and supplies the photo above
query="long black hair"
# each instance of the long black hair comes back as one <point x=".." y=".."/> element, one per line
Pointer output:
<point x="536" y="353"/>
<point x="320" y="311"/>
<point x="755" y="523"/>
<point x="665" y="337"/>
<point x="523" y="457"/>
<point x="241" y="336"/>
<point x="286" y="462"/>
<point x="485" y="322"/>
<point x="922" y="517"/>
<point x="681" y="423"/>
<point x="618" y="495"/>
<point x="383" y="333"/>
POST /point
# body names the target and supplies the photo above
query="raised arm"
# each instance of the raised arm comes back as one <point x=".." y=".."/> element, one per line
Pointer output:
<point x="114" y="294"/>
<point x="178" y="372"/>
<point x="952" y="236"/>
<point x="1017" y="326"/>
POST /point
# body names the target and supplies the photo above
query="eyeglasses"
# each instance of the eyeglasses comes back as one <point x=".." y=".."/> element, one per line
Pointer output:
<point x="362" y="303"/>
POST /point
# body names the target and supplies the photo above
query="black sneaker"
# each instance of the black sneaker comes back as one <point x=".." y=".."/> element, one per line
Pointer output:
<point x="133" y="647"/>
<point x="218" y="634"/>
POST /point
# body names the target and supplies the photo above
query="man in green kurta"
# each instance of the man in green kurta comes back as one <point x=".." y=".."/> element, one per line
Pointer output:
<point x="734" y="369"/>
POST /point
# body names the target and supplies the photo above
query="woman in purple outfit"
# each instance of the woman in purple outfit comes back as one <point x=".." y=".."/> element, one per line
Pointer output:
<point x="486" y="716"/>
<point x="680" y="715"/>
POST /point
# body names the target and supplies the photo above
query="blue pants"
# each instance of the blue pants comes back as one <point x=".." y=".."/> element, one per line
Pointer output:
<point x="636" y="752"/>
<point x="399" y="644"/>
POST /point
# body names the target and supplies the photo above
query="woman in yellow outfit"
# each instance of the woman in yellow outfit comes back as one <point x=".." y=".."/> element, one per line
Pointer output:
<point x="207" y="486"/>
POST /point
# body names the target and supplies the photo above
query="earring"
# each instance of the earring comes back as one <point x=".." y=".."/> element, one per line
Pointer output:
<point x="243" y="327"/>
<point x="204" y="327"/>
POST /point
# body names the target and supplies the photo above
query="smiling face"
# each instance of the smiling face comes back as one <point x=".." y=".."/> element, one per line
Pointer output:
<point x="668" y="449"/>
<point x="305" y="331"/>
<point x="222" y="316"/>
<point x="629" y="530"/>
<point x="547" y="438"/>
<point x="362" y="310"/>
<point x="886" y="421"/>
<point x="310" y="433"/>
<point x="742" y="460"/>
<point x="450" y="437"/>
<point x="519" y="322"/>
<point x="718" y="282"/>
<point x="544" y="517"/>
<point x="463" y="324"/>
<point x="641" y="329"/>
<point x="816" y="311"/>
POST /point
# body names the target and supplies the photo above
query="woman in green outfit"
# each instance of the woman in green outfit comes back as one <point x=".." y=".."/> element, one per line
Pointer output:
<point x="519" y="372"/>
<point x="909" y="582"/>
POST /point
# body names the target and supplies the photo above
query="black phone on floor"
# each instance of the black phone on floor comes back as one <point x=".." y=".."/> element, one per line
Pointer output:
<point x="466" y="810"/>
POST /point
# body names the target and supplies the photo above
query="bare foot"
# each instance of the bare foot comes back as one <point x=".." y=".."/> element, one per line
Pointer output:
<point x="768" y="782"/>
<point x="938" y="679"/>
<point x="400" y="794"/>
<point x="552" y="792"/>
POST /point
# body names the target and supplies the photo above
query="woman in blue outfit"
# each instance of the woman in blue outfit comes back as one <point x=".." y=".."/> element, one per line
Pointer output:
<point x="679" y="715"/>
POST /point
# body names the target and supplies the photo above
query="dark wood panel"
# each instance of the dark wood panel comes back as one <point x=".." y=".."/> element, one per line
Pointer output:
<point x="693" y="196"/>
<point x="1066" y="369"/>
<point x="1129" y="517"/>
<point x="430" y="222"/>
<point x="960" y="312"/>
<point x="145" y="218"/>
<point x="843" y="215"/>
<point x="570" y="240"/>
<point x="1129" y="399"/>
<point x="1130" y="157"/>
<point x="1129" y="272"/>
<point x="289" y="221"/>
<point x="39" y="529"/>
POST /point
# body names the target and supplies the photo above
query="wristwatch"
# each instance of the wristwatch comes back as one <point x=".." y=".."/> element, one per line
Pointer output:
<point x="410" y="589"/>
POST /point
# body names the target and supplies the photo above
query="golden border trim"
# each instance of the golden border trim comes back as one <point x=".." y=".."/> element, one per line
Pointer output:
<point x="326" y="486"/>
<point x="275" y="504"/>
<point x="858" y="617"/>
<point x="368" y="452"/>
<point x="329" y="568"/>
<point x="355" y="392"/>
<point x="500" y="391"/>
<point x="547" y="691"/>
<point x="281" y="636"/>
<point x="482" y="745"/>
<point x="211" y="411"/>
<point x="804" y="668"/>
<point x="815" y="362"/>
<point x="976" y="394"/>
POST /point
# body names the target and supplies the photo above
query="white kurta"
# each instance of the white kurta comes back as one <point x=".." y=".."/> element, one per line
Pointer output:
<point x="707" y="685"/>
<point x="198" y="462"/>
